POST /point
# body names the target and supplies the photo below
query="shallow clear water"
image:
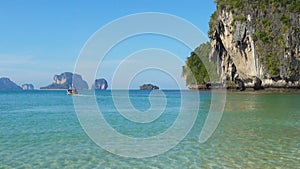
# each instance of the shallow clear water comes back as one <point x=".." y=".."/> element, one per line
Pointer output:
<point x="40" y="129"/>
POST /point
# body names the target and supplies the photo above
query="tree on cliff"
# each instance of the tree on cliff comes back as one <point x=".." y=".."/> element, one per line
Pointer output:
<point x="195" y="71"/>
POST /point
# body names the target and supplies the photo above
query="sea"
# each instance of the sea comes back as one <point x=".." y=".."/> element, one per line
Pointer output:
<point x="50" y="129"/>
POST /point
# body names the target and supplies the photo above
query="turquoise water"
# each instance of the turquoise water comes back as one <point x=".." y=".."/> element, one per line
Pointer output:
<point x="40" y="129"/>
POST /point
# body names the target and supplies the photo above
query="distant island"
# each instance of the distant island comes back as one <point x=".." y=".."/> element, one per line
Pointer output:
<point x="100" y="84"/>
<point x="27" y="87"/>
<point x="7" y="84"/>
<point x="149" y="87"/>
<point x="66" y="80"/>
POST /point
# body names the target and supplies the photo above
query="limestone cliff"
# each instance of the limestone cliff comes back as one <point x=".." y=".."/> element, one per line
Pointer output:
<point x="67" y="80"/>
<point x="27" y="87"/>
<point x="257" y="43"/>
<point x="100" y="84"/>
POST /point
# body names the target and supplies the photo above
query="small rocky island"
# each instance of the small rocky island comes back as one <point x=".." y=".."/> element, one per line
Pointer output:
<point x="27" y="87"/>
<point x="67" y="80"/>
<point x="149" y="87"/>
<point x="100" y="84"/>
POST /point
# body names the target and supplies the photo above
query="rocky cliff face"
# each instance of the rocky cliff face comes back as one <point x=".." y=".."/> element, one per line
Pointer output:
<point x="256" y="43"/>
<point x="67" y="80"/>
<point x="27" y="87"/>
<point x="100" y="84"/>
<point x="7" y="84"/>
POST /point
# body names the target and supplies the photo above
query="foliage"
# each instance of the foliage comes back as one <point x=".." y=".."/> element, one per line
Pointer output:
<point x="291" y="5"/>
<point x="272" y="64"/>
<point x="294" y="6"/>
<point x="198" y="69"/>
<point x="239" y="18"/>
<point x="213" y="22"/>
<point x="286" y="19"/>
<point x="263" y="35"/>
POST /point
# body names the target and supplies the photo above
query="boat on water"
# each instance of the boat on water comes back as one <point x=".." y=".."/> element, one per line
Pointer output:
<point x="72" y="91"/>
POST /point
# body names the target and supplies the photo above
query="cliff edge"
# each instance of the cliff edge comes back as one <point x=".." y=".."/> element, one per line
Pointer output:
<point x="256" y="43"/>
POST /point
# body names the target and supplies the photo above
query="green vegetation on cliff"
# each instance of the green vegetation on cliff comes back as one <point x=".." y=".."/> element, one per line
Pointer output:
<point x="274" y="28"/>
<point x="290" y="5"/>
<point x="197" y="66"/>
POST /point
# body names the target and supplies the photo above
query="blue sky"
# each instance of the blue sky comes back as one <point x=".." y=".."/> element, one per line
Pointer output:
<point x="41" y="38"/>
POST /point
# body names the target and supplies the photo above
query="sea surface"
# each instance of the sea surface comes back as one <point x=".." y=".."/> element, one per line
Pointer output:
<point x="40" y="129"/>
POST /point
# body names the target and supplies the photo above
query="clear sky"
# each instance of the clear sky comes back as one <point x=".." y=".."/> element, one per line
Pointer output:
<point x="41" y="38"/>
